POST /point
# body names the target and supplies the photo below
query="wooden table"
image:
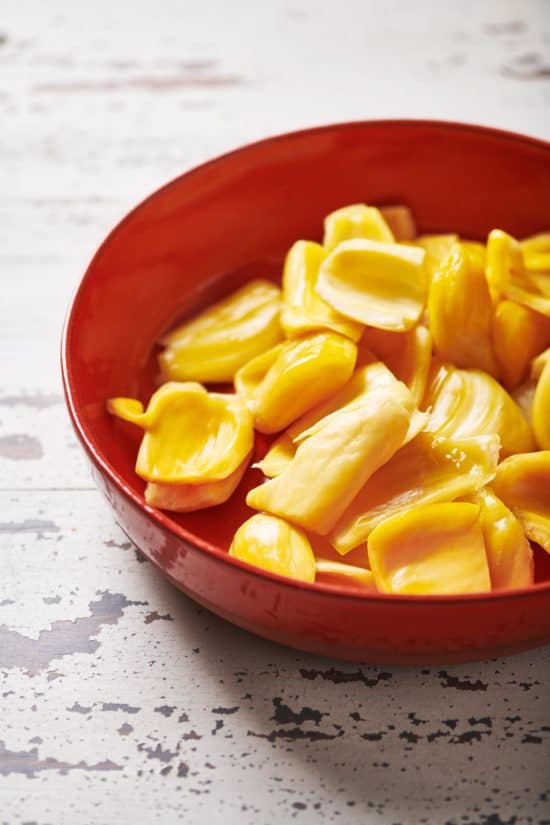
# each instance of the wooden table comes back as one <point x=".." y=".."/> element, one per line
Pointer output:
<point x="122" y="701"/>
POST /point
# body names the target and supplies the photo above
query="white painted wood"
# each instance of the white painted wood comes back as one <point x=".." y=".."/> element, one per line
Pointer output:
<point x="101" y="103"/>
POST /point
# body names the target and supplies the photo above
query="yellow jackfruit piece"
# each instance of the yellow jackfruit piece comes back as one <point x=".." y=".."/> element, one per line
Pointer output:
<point x="507" y="276"/>
<point x="273" y="544"/>
<point x="347" y="575"/>
<point x="523" y="484"/>
<point x="519" y="334"/>
<point x="191" y="436"/>
<point x="477" y="253"/>
<point x="434" y="549"/>
<point x="462" y="403"/>
<point x="355" y="221"/>
<point x="407" y="354"/>
<point x="374" y="376"/>
<point x="334" y="460"/>
<point x="428" y="470"/>
<point x="400" y="221"/>
<point x="283" y="383"/>
<point x="213" y="345"/>
<point x="379" y="284"/>
<point x="536" y="244"/>
<point x="460" y="312"/>
<point x="509" y="553"/>
<point x="541" y="400"/>
<point x="303" y="310"/>
<point x="185" y="498"/>
<point x="437" y="248"/>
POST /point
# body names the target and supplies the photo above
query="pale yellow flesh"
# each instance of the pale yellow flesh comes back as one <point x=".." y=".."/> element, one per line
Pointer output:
<point x="332" y="464"/>
<point x="434" y="549"/>
<point x="190" y="435"/>
<point x="215" y="343"/>
<point x="429" y="469"/>
<point x="272" y="544"/>
<point x="379" y="284"/>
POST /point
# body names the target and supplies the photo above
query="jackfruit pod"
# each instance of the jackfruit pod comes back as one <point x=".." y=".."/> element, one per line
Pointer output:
<point x="462" y="403"/>
<point x="191" y="436"/>
<point x="508" y="277"/>
<point x="523" y="484"/>
<point x="407" y="354"/>
<point x="344" y="575"/>
<point x="436" y="247"/>
<point x="541" y="400"/>
<point x="215" y="343"/>
<point x="401" y="222"/>
<point x="355" y="221"/>
<point x="382" y="285"/>
<point x="519" y="334"/>
<point x="185" y="498"/>
<point x="273" y="544"/>
<point x="428" y="470"/>
<point x="332" y="463"/>
<point x="283" y="383"/>
<point x="374" y="376"/>
<point x="435" y="549"/>
<point x="460" y="312"/>
<point x="509" y="553"/>
<point x="303" y="309"/>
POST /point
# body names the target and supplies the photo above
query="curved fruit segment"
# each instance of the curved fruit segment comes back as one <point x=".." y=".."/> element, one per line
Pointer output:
<point x="509" y="553"/>
<point x="303" y="309"/>
<point x="541" y="400"/>
<point x="185" y="498"/>
<point x="434" y="549"/>
<point x="462" y="403"/>
<point x="437" y="247"/>
<point x="214" y="344"/>
<point x="273" y="544"/>
<point x="346" y="575"/>
<point x="407" y="354"/>
<point x="191" y="436"/>
<point x="428" y="470"/>
<point x="523" y="484"/>
<point x="280" y="385"/>
<point x="477" y="253"/>
<point x="400" y="221"/>
<point x="512" y="324"/>
<point x="332" y="463"/>
<point x="364" y="380"/>
<point x="504" y="263"/>
<point x="508" y="277"/>
<point x="355" y="221"/>
<point x="535" y="244"/>
<point x="382" y="285"/>
<point x="460" y="312"/>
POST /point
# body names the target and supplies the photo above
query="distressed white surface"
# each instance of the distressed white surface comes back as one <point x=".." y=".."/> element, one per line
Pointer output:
<point x="114" y="685"/>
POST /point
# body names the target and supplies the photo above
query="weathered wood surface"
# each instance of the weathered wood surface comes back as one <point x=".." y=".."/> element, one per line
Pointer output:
<point x="121" y="699"/>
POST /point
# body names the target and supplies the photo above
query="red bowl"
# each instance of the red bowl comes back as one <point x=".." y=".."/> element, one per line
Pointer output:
<point x="234" y="218"/>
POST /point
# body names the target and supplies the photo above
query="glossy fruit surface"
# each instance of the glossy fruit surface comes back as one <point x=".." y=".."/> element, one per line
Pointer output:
<point x="189" y="236"/>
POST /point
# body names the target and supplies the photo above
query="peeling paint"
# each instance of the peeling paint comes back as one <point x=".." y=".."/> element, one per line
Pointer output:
<point x="153" y="616"/>
<point x="113" y="706"/>
<point x="29" y="763"/>
<point x="449" y="681"/>
<point x="38" y="526"/>
<point x="20" y="447"/>
<point x="341" y="676"/>
<point x="63" y="638"/>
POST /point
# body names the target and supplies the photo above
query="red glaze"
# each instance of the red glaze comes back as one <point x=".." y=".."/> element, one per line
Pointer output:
<point x="234" y="218"/>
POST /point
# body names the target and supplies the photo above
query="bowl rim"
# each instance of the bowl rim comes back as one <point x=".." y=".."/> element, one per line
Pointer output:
<point x="163" y="520"/>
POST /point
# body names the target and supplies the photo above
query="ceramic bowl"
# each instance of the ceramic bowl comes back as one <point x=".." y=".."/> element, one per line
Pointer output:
<point x="232" y="219"/>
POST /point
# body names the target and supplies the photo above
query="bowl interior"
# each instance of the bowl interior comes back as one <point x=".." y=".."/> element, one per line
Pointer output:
<point x="235" y="217"/>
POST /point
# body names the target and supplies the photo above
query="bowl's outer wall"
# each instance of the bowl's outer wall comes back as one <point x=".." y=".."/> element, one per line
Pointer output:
<point x="239" y="214"/>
